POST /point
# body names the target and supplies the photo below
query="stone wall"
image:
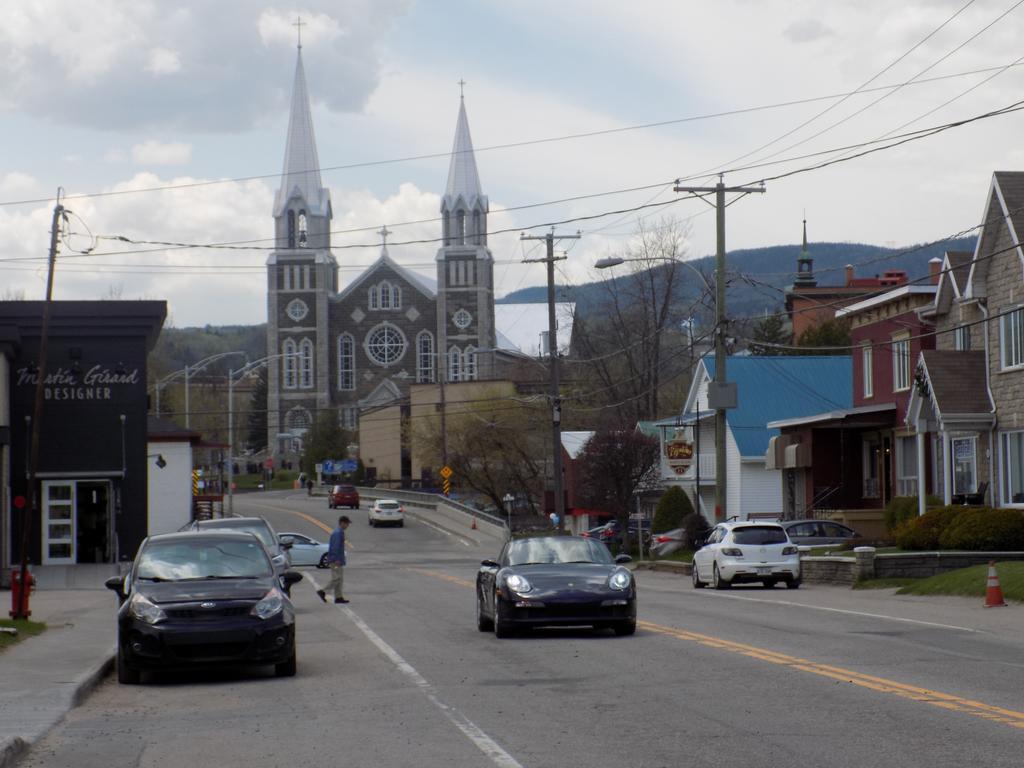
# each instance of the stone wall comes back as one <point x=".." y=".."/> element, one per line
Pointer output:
<point x="866" y="564"/>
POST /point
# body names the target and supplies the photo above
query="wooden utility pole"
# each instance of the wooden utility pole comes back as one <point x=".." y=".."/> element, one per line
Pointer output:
<point x="556" y="399"/>
<point x="721" y="394"/>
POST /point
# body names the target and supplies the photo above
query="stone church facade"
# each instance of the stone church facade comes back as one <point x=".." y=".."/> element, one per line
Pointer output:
<point x="363" y="347"/>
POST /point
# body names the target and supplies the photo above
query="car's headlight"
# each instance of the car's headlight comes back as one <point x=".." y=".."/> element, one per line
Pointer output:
<point x="270" y="605"/>
<point x="144" y="609"/>
<point x="518" y="584"/>
<point x="790" y="551"/>
<point x="621" y="579"/>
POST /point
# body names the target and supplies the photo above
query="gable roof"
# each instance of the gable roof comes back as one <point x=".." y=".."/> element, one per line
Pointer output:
<point x="956" y="382"/>
<point x="1004" y="207"/>
<point x="574" y="442"/>
<point x="423" y="284"/>
<point x="772" y="388"/>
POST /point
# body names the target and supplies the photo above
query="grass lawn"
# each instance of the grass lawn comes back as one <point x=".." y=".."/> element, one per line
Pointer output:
<point x="25" y="627"/>
<point x="283" y="481"/>
<point x="971" y="582"/>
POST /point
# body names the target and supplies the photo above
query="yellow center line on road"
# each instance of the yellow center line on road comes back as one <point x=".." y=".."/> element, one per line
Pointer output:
<point x="881" y="684"/>
<point x="308" y="518"/>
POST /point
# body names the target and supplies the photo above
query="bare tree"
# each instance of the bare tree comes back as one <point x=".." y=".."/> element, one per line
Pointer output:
<point x="634" y="341"/>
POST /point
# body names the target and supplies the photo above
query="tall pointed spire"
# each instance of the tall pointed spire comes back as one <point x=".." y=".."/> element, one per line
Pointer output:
<point x="463" y="178"/>
<point x="301" y="173"/>
<point x="805" y="264"/>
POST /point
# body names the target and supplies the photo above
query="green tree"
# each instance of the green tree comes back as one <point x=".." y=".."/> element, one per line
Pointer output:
<point x="830" y="337"/>
<point x="672" y="507"/>
<point x="324" y="440"/>
<point x="612" y="465"/>
<point x="770" y="331"/>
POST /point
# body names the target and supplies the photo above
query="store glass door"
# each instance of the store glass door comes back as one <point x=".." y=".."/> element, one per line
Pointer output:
<point x="58" y="522"/>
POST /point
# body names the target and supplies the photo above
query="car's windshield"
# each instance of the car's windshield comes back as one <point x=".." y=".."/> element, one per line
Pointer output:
<point x="759" y="535"/>
<point x="556" y="549"/>
<point x="262" y="532"/>
<point x="224" y="559"/>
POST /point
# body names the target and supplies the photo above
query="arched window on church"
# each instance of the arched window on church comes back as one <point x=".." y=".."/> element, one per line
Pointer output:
<point x="291" y="229"/>
<point x="385" y="295"/>
<point x="454" y="364"/>
<point x="425" y="358"/>
<point x="290" y="361"/>
<point x="477" y="232"/>
<point x="460" y="228"/>
<point x="396" y="297"/>
<point x="469" y="364"/>
<point x="346" y="362"/>
<point x="303" y="242"/>
<point x="306" y="364"/>
<point x="371" y="298"/>
<point x="446" y="227"/>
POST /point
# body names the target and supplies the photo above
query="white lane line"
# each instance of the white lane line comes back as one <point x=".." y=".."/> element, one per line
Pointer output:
<point x="717" y="595"/>
<point x="438" y="528"/>
<point x="469" y="729"/>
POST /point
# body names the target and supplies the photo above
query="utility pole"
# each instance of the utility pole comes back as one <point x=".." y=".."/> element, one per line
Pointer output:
<point x="556" y="400"/>
<point x="721" y="395"/>
<point x="31" y="513"/>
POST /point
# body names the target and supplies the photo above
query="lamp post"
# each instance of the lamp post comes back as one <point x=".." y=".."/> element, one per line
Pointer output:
<point x="232" y="376"/>
<point x="509" y="500"/>
<point x="191" y="369"/>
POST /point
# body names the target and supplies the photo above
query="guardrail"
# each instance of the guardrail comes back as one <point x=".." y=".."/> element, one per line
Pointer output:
<point x="455" y="512"/>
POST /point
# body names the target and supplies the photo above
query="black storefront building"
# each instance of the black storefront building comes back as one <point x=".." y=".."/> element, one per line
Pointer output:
<point x="91" y="474"/>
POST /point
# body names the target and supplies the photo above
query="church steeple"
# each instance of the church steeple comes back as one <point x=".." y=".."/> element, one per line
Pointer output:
<point x="302" y="206"/>
<point x="464" y="205"/>
<point x="805" y="265"/>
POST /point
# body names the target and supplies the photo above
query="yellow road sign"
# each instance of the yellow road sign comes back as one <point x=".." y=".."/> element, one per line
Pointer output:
<point x="446" y="472"/>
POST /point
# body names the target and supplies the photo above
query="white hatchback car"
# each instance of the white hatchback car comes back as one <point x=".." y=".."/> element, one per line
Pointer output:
<point x="747" y="551"/>
<point x="386" y="512"/>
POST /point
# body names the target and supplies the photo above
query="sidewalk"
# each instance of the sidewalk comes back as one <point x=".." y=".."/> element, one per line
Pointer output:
<point x="44" y="677"/>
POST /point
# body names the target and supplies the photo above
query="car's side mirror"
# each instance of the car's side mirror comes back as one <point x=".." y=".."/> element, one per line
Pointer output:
<point x="620" y="559"/>
<point x="291" y="577"/>
<point x="488" y="564"/>
<point x="116" y="583"/>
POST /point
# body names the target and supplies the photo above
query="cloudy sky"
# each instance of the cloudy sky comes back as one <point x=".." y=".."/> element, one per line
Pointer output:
<point x="164" y="122"/>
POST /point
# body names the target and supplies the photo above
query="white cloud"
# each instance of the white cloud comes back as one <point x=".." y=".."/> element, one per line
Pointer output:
<point x="163" y="61"/>
<point x="159" y="153"/>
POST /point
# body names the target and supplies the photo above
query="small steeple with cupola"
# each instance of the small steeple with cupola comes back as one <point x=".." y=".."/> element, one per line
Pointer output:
<point x="465" y="266"/>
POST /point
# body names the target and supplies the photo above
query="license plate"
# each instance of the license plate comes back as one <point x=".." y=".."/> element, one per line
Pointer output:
<point x="764" y="571"/>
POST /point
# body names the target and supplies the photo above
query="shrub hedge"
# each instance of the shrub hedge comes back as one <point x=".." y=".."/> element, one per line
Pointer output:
<point x="903" y="508"/>
<point x="672" y="507"/>
<point x="965" y="528"/>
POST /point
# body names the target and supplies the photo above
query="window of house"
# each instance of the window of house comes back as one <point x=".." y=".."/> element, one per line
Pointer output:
<point x="965" y="465"/>
<point x="425" y="357"/>
<point x="291" y="364"/>
<point x="1011" y="338"/>
<point x="871" y="456"/>
<point x="906" y="466"/>
<point x="469" y="365"/>
<point x="371" y="298"/>
<point x="1012" y="457"/>
<point x="900" y="363"/>
<point x="346" y="362"/>
<point x="396" y="297"/>
<point x="306" y="364"/>
<point x="384" y="290"/>
<point x="962" y="338"/>
<point x="348" y="418"/>
<point x="867" y="370"/>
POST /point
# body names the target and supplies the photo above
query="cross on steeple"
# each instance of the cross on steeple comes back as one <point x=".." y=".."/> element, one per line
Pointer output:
<point x="384" y="232"/>
<point x="299" y="24"/>
<point x="462" y="92"/>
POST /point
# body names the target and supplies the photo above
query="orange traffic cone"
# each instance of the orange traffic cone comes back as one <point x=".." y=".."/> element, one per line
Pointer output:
<point x="473" y="526"/>
<point x="994" y="593"/>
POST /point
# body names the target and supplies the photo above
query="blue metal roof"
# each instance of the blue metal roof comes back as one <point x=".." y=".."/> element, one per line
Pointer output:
<point x="782" y="387"/>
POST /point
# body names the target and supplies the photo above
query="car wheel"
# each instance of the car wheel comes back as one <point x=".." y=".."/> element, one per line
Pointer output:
<point x="624" y="628"/>
<point x="125" y="674"/>
<point x="697" y="583"/>
<point x="502" y="629"/>
<point x="717" y="580"/>
<point x="769" y="583"/>
<point x="286" y="668"/>
<point x="792" y="583"/>
<point x="323" y="561"/>
<point x="483" y="623"/>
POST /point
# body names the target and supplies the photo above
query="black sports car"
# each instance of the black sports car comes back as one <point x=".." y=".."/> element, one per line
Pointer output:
<point x="555" y="581"/>
<point x="203" y="598"/>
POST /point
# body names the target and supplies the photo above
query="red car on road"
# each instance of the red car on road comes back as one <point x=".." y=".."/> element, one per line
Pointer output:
<point x="343" y="496"/>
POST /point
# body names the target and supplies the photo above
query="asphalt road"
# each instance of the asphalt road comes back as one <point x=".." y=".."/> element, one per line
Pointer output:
<point x="748" y="677"/>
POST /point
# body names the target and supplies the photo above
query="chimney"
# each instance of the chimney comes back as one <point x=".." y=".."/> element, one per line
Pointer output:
<point x="849" y="274"/>
<point x="935" y="269"/>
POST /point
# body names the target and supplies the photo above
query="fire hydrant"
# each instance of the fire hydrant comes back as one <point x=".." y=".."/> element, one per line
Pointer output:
<point x="19" y="600"/>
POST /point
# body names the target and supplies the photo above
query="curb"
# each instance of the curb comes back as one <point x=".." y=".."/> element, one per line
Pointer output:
<point x="17" y="747"/>
<point x="666" y="566"/>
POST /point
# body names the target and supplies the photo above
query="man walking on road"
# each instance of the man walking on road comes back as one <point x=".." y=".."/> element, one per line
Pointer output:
<point x="336" y="560"/>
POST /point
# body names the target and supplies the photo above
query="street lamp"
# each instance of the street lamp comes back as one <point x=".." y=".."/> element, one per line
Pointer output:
<point x="239" y="374"/>
<point x="614" y="261"/>
<point x="509" y="500"/>
<point x="187" y="371"/>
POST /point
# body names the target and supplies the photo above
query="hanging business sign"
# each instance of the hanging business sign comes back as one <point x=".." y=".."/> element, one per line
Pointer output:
<point x="679" y="455"/>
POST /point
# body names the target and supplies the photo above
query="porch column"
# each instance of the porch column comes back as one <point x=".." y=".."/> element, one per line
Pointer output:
<point x="947" y="467"/>
<point x="921" y="490"/>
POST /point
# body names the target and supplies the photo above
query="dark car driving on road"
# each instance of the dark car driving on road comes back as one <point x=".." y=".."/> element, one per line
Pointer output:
<point x="343" y="496"/>
<point x="201" y="598"/>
